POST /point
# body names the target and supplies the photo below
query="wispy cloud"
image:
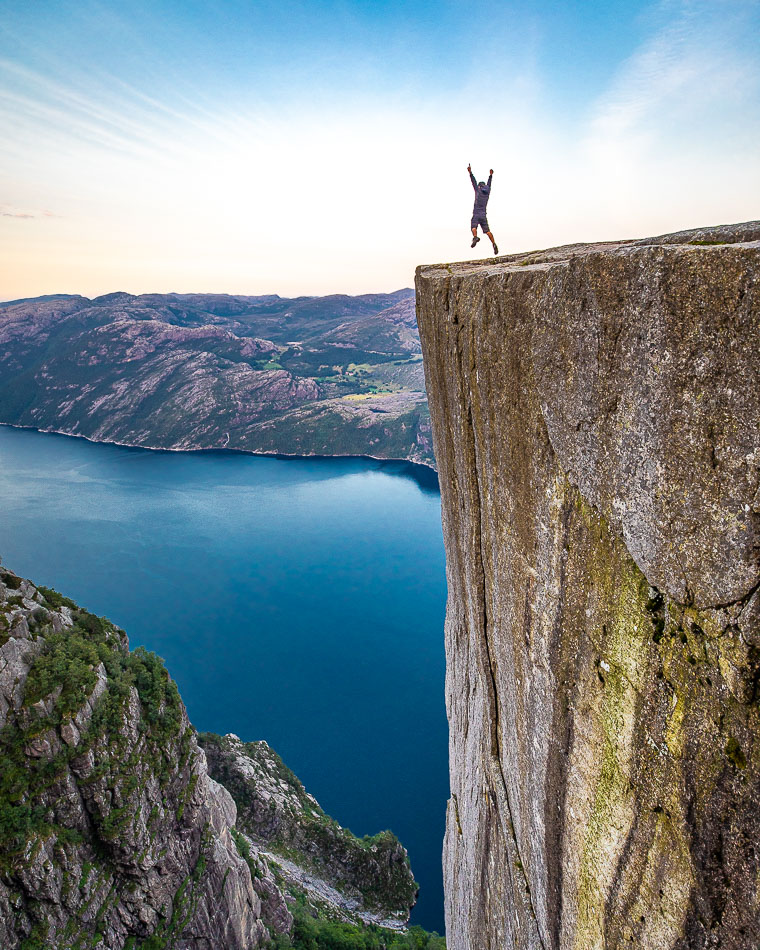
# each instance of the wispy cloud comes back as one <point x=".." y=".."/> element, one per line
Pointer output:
<point x="7" y="211"/>
<point x="699" y="70"/>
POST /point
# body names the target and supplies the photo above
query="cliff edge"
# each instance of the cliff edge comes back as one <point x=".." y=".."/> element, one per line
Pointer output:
<point x="595" y="421"/>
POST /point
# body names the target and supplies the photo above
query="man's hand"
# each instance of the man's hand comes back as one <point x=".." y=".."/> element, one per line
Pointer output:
<point x="469" y="169"/>
<point x="491" y="172"/>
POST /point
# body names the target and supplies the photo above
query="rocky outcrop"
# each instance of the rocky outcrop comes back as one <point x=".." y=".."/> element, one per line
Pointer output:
<point x="114" y="835"/>
<point x="110" y="826"/>
<point x="361" y="880"/>
<point x="595" y="419"/>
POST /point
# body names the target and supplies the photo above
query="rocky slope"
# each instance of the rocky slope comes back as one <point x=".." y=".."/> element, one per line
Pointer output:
<point x="324" y="375"/>
<point x="113" y="834"/>
<point x="595" y="417"/>
<point x="360" y="880"/>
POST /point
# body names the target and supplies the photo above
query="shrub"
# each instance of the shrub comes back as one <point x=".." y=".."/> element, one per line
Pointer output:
<point x="10" y="580"/>
<point x="54" y="599"/>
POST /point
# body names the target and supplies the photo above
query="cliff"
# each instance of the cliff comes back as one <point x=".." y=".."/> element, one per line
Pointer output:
<point x="595" y="420"/>
<point x="114" y="835"/>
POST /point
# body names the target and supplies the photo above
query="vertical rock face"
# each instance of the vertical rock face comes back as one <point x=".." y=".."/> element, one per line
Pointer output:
<point x="595" y="419"/>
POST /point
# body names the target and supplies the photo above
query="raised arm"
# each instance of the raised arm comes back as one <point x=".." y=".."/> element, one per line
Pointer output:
<point x="472" y="178"/>
<point x="490" y="176"/>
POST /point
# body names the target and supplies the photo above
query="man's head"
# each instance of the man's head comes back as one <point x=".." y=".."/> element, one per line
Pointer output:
<point x="481" y="184"/>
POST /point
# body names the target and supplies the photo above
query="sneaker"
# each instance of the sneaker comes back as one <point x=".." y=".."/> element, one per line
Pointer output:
<point x="495" y="249"/>
<point x="475" y="241"/>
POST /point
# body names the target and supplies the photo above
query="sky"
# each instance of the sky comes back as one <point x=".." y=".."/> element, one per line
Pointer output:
<point x="292" y="147"/>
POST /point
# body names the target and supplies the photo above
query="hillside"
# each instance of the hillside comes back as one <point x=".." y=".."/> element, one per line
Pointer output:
<point x="331" y="375"/>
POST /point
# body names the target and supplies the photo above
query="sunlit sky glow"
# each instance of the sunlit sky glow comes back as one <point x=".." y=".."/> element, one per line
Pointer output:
<point x="317" y="147"/>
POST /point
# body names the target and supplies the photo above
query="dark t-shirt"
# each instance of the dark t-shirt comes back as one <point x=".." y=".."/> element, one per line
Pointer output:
<point x="481" y="195"/>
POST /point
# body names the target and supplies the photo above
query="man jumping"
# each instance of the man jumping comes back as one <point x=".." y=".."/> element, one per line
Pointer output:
<point x="482" y="194"/>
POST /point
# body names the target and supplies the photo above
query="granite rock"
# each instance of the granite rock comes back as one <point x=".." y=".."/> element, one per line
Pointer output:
<point x="595" y="423"/>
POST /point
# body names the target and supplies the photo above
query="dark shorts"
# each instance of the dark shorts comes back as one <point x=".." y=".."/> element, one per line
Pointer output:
<point x="482" y="220"/>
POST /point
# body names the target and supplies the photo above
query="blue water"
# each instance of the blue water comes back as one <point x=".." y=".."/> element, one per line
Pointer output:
<point x="297" y="601"/>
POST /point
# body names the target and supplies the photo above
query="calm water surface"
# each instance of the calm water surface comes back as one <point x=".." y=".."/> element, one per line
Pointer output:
<point x="297" y="601"/>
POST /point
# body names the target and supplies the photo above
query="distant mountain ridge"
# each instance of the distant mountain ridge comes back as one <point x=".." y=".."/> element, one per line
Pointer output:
<point x="334" y="375"/>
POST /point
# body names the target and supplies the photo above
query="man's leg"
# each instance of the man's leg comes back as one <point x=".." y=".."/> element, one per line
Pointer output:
<point x="493" y="241"/>
<point x="475" y="237"/>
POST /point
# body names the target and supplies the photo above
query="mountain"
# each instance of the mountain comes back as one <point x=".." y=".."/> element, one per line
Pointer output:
<point x="595" y="414"/>
<point x="333" y="375"/>
<point x="117" y="830"/>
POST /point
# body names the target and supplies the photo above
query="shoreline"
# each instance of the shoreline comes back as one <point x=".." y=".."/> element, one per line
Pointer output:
<point x="425" y="469"/>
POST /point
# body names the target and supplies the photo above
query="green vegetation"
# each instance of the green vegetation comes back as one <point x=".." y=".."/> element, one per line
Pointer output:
<point x="10" y="580"/>
<point x="313" y="933"/>
<point x="54" y="599"/>
<point x="64" y="675"/>
<point x="735" y="753"/>
<point x="312" y="362"/>
<point x="37" y="939"/>
<point x="269" y="364"/>
<point x="60" y="681"/>
<point x="244" y="850"/>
